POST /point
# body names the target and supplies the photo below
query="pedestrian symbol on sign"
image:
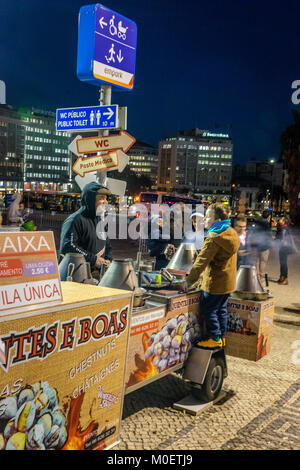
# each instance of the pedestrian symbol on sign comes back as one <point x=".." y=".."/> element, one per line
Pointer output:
<point x="112" y="54"/>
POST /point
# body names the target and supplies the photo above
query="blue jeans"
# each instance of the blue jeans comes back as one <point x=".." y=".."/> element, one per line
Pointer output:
<point x="283" y="259"/>
<point x="214" y="309"/>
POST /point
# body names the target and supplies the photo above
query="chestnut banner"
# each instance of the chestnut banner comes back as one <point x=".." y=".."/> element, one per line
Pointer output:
<point x="62" y="376"/>
<point x="161" y="339"/>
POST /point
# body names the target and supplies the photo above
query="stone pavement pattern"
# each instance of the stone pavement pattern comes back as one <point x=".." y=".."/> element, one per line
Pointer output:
<point x="260" y="411"/>
<point x="261" y="407"/>
<point x="287" y="297"/>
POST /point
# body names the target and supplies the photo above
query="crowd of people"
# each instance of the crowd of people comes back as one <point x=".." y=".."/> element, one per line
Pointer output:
<point x="257" y="240"/>
<point x="226" y="244"/>
<point x="223" y="245"/>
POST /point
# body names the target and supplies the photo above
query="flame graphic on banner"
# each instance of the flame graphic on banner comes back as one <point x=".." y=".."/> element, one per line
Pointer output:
<point x="76" y="437"/>
<point x="145" y="369"/>
<point x="261" y="350"/>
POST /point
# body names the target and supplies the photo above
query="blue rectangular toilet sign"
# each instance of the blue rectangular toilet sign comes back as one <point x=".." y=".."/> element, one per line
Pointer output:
<point x="87" y="118"/>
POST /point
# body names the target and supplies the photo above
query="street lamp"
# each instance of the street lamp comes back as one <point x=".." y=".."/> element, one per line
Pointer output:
<point x="272" y="161"/>
<point x="232" y="196"/>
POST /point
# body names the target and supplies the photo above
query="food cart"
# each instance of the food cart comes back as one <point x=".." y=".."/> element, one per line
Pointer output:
<point x="166" y="327"/>
<point x="161" y="342"/>
<point x="63" y="370"/>
<point x="163" y="330"/>
<point x="63" y="348"/>
<point x="161" y="336"/>
<point x="70" y="351"/>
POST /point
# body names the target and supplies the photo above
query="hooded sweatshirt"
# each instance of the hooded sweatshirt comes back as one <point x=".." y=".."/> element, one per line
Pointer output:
<point x="217" y="260"/>
<point x="78" y="234"/>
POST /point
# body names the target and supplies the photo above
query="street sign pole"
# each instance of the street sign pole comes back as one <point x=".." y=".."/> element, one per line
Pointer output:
<point x="105" y="99"/>
<point x="106" y="54"/>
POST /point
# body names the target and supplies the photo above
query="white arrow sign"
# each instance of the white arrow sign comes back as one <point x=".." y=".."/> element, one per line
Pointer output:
<point x="119" y="57"/>
<point x="116" y="187"/>
<point x="88" y="178"/>
<point x="102" y="22"/>
<point x="109" y="113"/>
<point x="123" y="141"/>
<point x="110" y="161"/>
<point x="123" y="160"/>
<point x="107" y="162"/>
<point x="73" y="146"/>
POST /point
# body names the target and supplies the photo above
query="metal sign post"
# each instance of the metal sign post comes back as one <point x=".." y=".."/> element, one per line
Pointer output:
<point x="106" y="55"/>
<point x="105" y="99"/>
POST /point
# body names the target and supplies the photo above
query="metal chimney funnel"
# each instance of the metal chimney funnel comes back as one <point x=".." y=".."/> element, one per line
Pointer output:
<point x="184" y="258"/>
<point x="120" y="275"/>
<point x="248" y="285"/>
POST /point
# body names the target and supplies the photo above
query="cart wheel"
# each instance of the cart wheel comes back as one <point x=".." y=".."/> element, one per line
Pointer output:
<point x="213" y="382"/>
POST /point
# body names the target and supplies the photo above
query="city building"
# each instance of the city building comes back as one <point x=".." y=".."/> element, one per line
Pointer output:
<point x="248" y="192"/>
<point x="261" y="183"/>
<point x="12" y="149"/>
<point x="33" y="155"/>
<point x="197" y="160"/>
<point x="47" y="163"/>
<point x="143" y="160"/>
<point x="270" y="171"/>
<point x="2" y="92"/>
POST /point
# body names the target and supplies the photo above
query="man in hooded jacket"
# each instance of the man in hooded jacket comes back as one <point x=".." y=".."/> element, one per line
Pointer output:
<point x="79" y="230"/>
<point x="217" y="261"/>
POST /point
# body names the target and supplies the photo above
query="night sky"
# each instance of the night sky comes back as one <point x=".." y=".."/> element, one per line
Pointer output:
<point x="210" y="65"/>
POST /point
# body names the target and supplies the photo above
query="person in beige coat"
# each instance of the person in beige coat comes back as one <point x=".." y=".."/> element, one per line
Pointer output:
<point x="217" y="261"/>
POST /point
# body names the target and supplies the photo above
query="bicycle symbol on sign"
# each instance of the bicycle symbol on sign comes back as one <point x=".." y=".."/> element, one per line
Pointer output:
<point x="120" y="31"/>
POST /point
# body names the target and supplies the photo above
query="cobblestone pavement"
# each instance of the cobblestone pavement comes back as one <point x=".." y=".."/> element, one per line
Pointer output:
<point x="277" y="426"/>
<point x="261" y="406"/>
<point x="260" y="409"/>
